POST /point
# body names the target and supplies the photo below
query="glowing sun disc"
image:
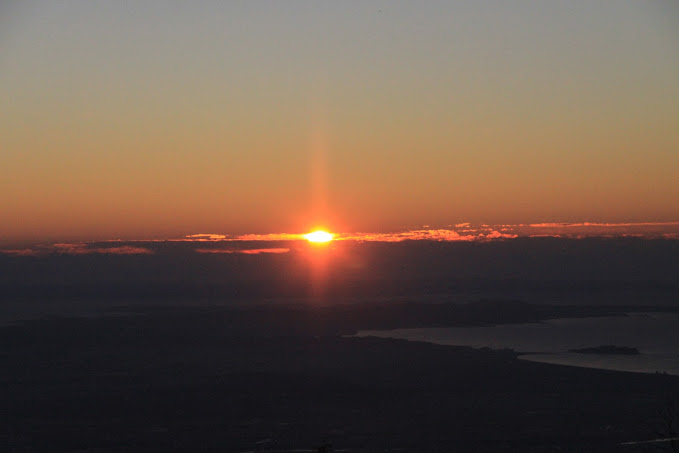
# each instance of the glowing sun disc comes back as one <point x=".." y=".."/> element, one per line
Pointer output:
<point x="319" y="236"/>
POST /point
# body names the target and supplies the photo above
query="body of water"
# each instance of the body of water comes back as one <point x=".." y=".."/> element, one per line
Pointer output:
<point x="655" y="335"/>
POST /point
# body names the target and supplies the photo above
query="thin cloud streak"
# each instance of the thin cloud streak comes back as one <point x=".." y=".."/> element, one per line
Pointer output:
<point x="78" y="248"/>
<point x="82" y="248"/>
<point x="21" y="252"/>
<point x="648" y="230"/>
<point x="244" y="251"/>
<point x="270" y="237"/>
<point x="594" y="224"/>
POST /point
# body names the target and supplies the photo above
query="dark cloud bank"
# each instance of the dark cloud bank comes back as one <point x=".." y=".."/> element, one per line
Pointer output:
<point x="243" y="271"/>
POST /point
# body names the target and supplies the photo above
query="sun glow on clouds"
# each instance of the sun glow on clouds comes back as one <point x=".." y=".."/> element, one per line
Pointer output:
<point x="446" y="235"/>
<point x="453" y="233"/>
<point x="466" y="231"/>
<point x="268" y="237"/>
<point x="205" y="237"/>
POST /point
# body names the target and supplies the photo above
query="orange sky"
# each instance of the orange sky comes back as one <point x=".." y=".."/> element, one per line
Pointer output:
<point x="159" y="120"/>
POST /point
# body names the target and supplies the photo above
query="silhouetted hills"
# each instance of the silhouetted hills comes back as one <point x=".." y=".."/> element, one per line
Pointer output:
<point x="223" y="380"/>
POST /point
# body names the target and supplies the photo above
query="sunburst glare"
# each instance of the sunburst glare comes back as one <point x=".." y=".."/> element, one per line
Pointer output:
<point x="319" y="236"/>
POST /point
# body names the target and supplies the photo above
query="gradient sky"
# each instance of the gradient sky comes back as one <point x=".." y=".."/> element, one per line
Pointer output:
<point x="158" y="119"/>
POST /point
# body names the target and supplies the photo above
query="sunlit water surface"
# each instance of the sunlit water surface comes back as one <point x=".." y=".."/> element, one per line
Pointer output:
<point x="655" y="335"/>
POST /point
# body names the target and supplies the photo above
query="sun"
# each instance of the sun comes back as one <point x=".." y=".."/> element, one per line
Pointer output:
<point x="319" y="236"/>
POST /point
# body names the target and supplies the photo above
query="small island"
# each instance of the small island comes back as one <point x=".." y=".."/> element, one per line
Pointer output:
<point x="607" y="349"/>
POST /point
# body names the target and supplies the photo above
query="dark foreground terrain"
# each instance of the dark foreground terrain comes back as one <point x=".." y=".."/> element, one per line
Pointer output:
<point x="278" y="378"/>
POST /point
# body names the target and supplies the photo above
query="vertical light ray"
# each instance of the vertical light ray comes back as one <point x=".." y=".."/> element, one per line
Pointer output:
<point x="319" y="171"/>
<point x="319" y="211"/>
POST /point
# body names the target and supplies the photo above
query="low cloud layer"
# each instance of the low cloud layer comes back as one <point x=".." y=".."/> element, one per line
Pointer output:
<point x="253" y="244"/>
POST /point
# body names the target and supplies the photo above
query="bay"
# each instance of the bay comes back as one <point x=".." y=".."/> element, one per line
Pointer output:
<point x="655" y="335"/>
